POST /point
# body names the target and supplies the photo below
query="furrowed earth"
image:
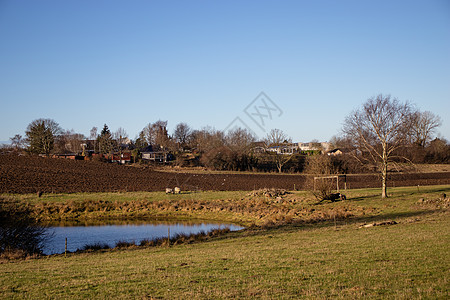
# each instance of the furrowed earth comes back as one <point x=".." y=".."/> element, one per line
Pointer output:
<point x="30" y="174"/>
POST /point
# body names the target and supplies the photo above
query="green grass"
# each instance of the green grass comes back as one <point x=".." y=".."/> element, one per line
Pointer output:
<point x="321" y="260"/>
<point x="125" y="196"/>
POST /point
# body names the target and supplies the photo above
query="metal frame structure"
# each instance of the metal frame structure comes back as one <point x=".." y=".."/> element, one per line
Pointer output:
<point x="332" y="177"/>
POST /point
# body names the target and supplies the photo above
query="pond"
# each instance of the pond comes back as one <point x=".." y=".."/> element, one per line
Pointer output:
<point x="88" y="234"/>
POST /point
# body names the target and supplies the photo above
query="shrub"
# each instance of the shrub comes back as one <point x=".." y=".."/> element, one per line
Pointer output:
<point x="124" y="244"/>
<point x="19" y="230"/>
<point x="95" y="246"/>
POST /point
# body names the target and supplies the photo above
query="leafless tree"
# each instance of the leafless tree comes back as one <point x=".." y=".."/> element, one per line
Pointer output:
<point x="93" y="136"/>
<point x="207" y="138"/>
<point x="93" y="133"/>
<point x="239" y="139"/>
<point x="69" y="142"/>
<point x="121" y="136"/>
<point x="423" y="126"/>
<point x="376" y="130"/>
<point x="156" y="134"/>
<point x="182" y="134"/>
<point x="281" y="160"/>
<point x="277" y="137"/>
<point x="17" y="141"/>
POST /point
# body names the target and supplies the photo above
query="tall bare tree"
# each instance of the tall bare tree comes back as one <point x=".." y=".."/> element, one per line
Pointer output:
<point x="156" y="134"/>
<point x="276" y="137"/>
<point x="423" y="126"/>
<point x="182" y="134"/>
<point x="93" y="136"/>
<point x="376" y="130"/>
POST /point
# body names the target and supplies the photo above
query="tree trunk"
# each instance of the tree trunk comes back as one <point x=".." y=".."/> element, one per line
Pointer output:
<point x="383" y="180"/>
<point x="279" y="167"/>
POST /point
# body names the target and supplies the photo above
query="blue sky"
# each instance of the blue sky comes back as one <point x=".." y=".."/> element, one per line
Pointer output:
<point x="129" y="63"/>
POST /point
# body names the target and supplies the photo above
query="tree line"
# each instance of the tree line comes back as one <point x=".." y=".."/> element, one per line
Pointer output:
<point x="382" y="132"/>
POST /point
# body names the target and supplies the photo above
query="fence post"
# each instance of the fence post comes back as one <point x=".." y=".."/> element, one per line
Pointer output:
<point x="168" y="236"/>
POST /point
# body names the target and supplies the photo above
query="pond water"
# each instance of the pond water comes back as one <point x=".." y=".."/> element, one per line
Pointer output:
<point x="88" y="234"/>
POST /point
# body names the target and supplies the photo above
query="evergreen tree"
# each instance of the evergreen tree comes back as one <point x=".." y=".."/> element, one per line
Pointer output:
<point x="105" y="140"/>
<point x="41" y="135"/>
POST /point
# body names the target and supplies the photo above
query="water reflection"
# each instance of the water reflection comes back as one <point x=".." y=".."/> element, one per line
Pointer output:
<point x="80" y="234"/>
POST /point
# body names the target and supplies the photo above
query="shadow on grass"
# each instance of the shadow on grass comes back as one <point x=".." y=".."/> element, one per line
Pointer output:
<point x="310" y="225"/>
<point x="364" y="197"/>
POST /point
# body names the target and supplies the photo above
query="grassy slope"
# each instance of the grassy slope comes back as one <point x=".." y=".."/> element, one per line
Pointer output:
<point x="407" y="260"/>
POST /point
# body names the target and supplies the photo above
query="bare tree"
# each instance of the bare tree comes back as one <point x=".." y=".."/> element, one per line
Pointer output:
<point x="182" y="134"/>
<point x="69" y="142"/>
<point x="281" y="160"/>
<point x="379" y="128"/>
<point x="156" y="134"/>
<point x="93" y="136"/>
<point x="423" y="127"/>
<point x="121" y="136"/>
<point x="277" y="137"/>
<point x="239" y="139"/>
<point x="93" y="133"/>
<point x="17" y="141"/>
<point x="207" y="138"/>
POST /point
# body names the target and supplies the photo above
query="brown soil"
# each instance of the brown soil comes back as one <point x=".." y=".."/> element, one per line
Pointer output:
<point x="30" y="174"/>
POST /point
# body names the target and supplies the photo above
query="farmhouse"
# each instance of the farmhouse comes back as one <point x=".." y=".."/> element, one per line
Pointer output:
<point x="291" y="148"/>
<point x="160" y="156"/>
<point x="335" y="152"/>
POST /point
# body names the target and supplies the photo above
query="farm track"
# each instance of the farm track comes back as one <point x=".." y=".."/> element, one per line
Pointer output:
<point x="29" y="174"/>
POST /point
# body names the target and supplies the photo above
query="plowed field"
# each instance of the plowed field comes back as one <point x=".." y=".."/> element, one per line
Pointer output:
<point x="28" y="174"/>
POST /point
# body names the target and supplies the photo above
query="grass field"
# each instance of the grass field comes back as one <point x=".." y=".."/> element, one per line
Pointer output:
<point x="318" y="259"/>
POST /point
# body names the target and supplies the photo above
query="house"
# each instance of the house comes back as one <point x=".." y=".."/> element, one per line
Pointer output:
<point x="335" y="152"/>
<point x="292" y="148"/>
<point x="149" y="154"/>
<point x="258" y="147"/>
<point x="160" y="156"/>
<point x="121" y="158"/>
<point x="286" y="149"/>
<point x="315" y="146"/>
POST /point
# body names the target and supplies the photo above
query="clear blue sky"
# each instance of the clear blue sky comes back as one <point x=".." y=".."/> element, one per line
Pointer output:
<point x="128" y="63"/>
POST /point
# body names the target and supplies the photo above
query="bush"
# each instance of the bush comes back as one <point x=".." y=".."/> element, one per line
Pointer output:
<point x="19" y="230"/>
<point x="95" y="247"/>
